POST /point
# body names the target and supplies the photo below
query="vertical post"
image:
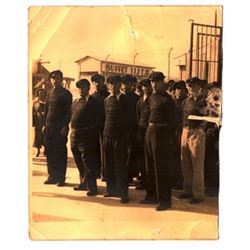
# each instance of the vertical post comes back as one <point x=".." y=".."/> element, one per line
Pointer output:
<point x="136" y="54"/>
<point x="191" y="50"/>
<point x="106" y="67"/>
<point x="169" y="63"/>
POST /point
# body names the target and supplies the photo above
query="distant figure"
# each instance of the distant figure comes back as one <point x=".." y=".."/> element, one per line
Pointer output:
<point x="38" y="119"/>
<point x="57" y="118"/>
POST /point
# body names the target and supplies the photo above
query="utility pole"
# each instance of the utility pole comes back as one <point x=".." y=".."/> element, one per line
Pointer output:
<point x="136" y="54"/>
<point x="169" y="63"/>
<point x="106" y="67"/>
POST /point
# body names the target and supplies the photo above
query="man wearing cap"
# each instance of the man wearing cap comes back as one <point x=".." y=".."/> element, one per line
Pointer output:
<point x="85" y="124"/>
<point x="142" y="112"/>
<point x="180" y="94"/>
<point x="170" y="88"/>
<point x="57" y="118"/>
<point x="128" y="87"/>
<point x="193" y="144"/>
<point x="100" y="94"/>
<point x="158" y="145"/>
<point x="115" y="140"/>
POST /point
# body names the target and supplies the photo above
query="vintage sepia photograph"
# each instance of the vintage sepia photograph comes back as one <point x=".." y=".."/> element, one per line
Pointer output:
<point x="125" y="112"/>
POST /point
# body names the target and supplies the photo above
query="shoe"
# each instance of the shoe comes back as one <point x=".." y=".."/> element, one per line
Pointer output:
<point x="110" y="195"/>
<point x="80" y="188"/>
<point x="91" y="193"/>
<point x="196" y="201"/>
<point x="61" y="184"/>
<point x="50" y="181"/>
<point x="148" y="201"/>
<point x="124" y="200"/>
<point x="185" y="196"/>
<point x="140" y="186"/>
<point x="163" y="206"/>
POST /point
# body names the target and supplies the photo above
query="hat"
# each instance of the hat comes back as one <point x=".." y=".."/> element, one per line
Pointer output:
<point x="83" y="83"/>
<point x="179" y="85"/>
<point x="170" y="84"/>
<point x="193" y="80"/>
<point x="114" y="79"/>
<point x="127" y="79"/>
<point x="214" y="85"/>
<point x="146" y="83"/>
<point x="41" y="90"/>
<point x="97" y="78"/>
<point x="56" y="73"/>
<point x="156" y="76"/>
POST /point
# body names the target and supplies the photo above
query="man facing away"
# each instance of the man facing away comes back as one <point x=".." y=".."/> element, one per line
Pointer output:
<point x="158" y="145"/>
<point x="85" y="123"/>
<point x="57" y="118"/>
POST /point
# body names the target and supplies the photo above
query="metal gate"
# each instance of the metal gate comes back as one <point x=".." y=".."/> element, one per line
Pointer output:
<point x="206" y="52"/>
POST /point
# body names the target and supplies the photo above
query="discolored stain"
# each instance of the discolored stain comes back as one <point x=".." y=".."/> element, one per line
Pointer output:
<point x="36" y="217"/>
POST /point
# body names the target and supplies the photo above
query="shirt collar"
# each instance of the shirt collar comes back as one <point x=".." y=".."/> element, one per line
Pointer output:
<point x="117" y="96"/>
<point x="86" y="98"/>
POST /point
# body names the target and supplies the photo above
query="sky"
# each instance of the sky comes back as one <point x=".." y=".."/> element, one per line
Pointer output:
<point x="62" y="35"/>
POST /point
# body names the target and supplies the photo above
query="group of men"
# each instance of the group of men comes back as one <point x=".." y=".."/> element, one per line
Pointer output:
<point x="126" y="130"/>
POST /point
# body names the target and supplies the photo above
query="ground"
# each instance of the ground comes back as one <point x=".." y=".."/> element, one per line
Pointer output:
<point x="62" y="213"/>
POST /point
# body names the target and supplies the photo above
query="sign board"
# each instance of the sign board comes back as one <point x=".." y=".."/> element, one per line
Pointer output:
<point x="126" y="69"/>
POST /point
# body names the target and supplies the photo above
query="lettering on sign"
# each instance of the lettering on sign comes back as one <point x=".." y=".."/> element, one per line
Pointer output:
<point x="126" y="69"/>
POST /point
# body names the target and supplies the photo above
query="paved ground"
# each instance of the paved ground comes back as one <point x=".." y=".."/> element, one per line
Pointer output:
<point x="61" y="213"/>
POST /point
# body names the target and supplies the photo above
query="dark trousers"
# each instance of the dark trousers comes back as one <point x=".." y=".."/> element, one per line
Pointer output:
<point x="84" y="146"/>
<point x="115" y="156"/>
<point x="133" y="151"/>
<point x="211" y="164"/>
<point x="56" y="153"/>
<point x="101" y="155"/>
<point x="141" y="155"/>
<point x="177" y="161"/>
<point x="159" y="167"/>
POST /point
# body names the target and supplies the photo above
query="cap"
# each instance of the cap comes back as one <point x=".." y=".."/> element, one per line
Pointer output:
<point x="83" y="83"/>
<point x="156" y="76"/>
<point x="179" y="85"/>
<point x="114" y="79"/>
<point x="193" y="80"/>
<point x="146" y="83"/>
<point x="170" y="84"/>
<point x="127" y="79"/>
<point x="97" y="78"/>
<point x="214" y="85"/>
<point x="56" y="73"/>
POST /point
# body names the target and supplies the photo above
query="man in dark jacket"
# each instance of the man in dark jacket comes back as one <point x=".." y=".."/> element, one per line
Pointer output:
<point x="143" y="112"/>
<point x="158" y="145"/>
<point x="84" y="137"/>
<point x="100" y="94"/>
<point x="180" y="94"/>
<point x="115" y="140"/>
<point x="128" y="87"/>
<point x="57" y="118"/>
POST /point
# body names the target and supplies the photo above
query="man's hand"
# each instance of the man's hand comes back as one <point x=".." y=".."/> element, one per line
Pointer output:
<point x="43" y="130"/>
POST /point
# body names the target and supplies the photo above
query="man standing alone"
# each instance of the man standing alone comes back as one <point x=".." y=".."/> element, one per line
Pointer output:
<point x="57" y="118"/>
